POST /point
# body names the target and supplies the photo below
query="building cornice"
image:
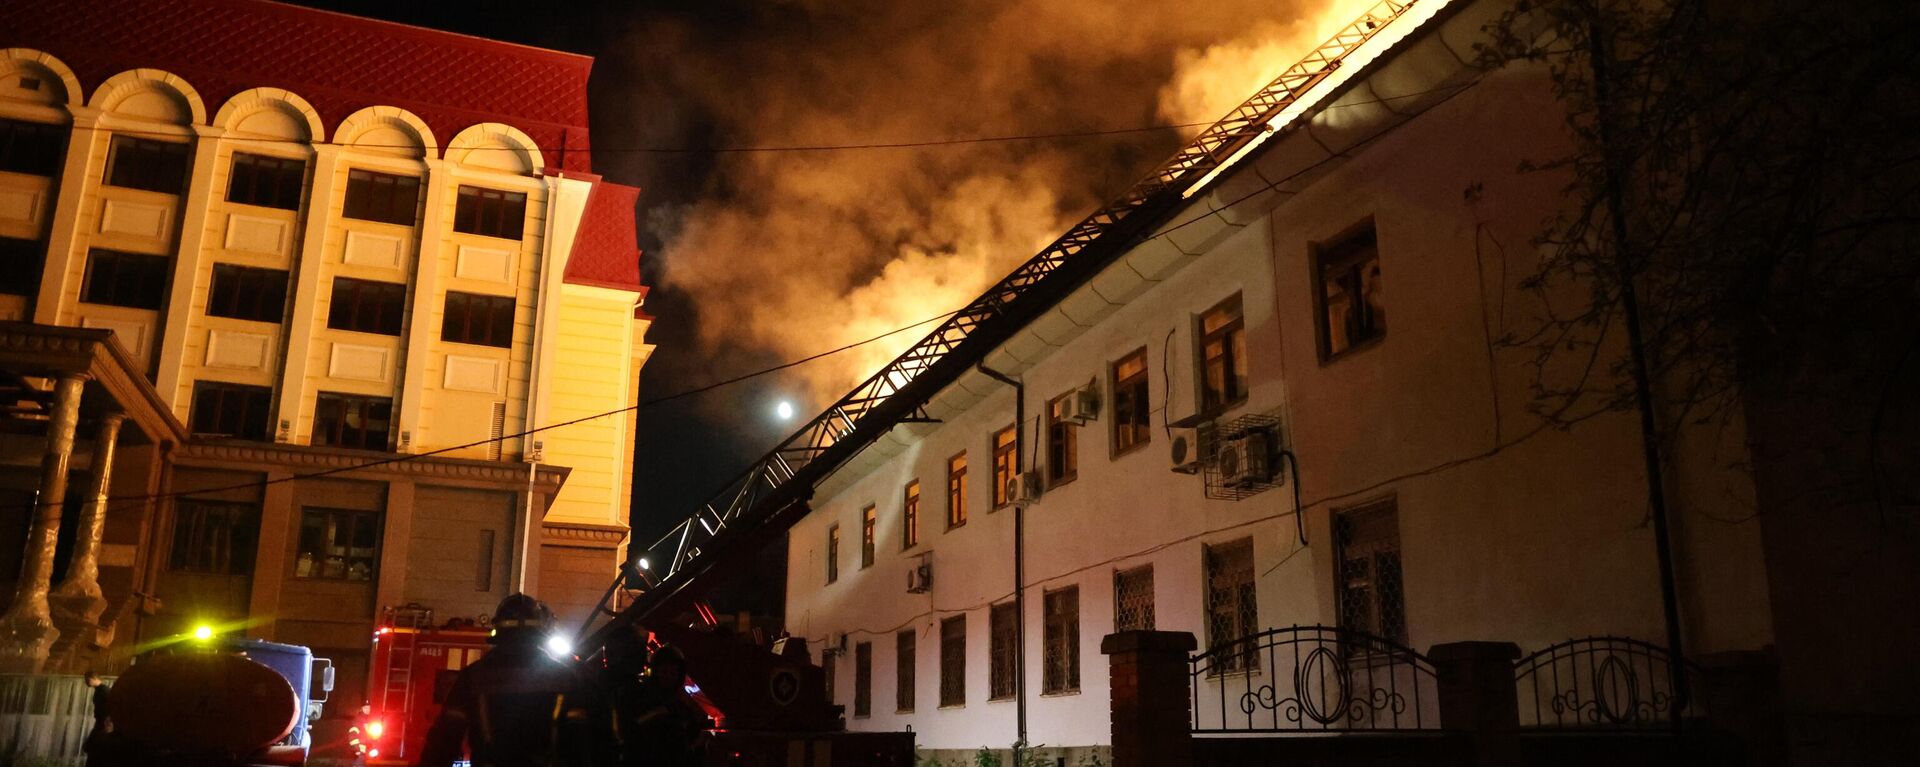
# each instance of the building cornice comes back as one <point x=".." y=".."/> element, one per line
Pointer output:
<point x="362" y="464"/>
<point x="584" y="534"/>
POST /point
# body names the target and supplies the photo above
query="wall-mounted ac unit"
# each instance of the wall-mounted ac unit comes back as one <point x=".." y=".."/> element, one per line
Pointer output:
<point x="920" y="577"/>
<point x="1024" y="487"/>
<point x="1084" y="405"/>
<point x="1246" y="460"/>
<point x="1192" y="449"/>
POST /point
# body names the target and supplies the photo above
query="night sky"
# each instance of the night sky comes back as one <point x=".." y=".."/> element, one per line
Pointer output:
<point x="758" y="258"/>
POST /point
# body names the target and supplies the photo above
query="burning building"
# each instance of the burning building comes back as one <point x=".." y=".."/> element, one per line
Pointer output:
<point x="364" y="326"/>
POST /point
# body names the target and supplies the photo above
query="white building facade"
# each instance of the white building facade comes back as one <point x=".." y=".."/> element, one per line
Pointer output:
<point x="1434" y="506"/>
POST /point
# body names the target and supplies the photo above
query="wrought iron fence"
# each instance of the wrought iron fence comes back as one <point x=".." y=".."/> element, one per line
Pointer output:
<point x="1602" y="683"/>
<point x="1312" y="680"/>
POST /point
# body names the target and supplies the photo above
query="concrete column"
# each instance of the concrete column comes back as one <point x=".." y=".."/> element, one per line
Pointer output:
<point x="84" y="145"/>
<point x="305" y="319"/>
<point x="422" y="330"/>
<point x="195" y="206"/>
<point x="1476" y="692"/>
<point x="79" y="591"/>
<point x="1152" y="724"/>
<point x="26" y="631"/>
<point x="391" y="587"/>
<point x="277" y="514"/>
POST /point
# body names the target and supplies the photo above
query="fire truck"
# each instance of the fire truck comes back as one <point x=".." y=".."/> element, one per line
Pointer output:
<point x="414" y="661"/>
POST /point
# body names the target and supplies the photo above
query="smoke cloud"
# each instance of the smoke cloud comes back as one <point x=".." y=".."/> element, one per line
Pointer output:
<point x="783" y="254"/>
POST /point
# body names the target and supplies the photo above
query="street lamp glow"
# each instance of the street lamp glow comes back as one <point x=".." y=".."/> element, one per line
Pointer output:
<point x="784" y="410"/>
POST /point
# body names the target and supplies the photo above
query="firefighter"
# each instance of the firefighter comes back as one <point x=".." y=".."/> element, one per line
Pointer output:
<point x="518" y="706"/>
<point x="667" y="727"/>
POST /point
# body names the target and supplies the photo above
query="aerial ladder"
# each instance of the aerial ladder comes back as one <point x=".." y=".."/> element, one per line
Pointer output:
<point x="771" y="495"/>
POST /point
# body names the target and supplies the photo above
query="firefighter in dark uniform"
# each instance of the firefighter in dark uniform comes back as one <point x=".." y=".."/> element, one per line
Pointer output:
<point x="517" y="706"/>
<point x="662" y="724"/>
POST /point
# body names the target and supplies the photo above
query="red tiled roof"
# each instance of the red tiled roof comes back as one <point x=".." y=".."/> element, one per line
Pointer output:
<point x="338" y="63"/>
<point x="604" y="252"/>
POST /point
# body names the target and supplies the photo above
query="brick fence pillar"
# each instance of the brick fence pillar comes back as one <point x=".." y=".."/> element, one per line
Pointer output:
<point x="1477" y="697"/>
<point x="1740" y="692"/>
<point x="1149" y="708"/>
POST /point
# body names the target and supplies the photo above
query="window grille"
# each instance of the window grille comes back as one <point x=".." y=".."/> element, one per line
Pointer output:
<point x="1133" y="599"/>
<point x="1002" y="649"/>
<point x="1370" y="596"/>
<point x="905" y="654"/>
<point x="953" y="661"/>
<point x="1062" y="639"/>
<point x="863" y="679"/>
<point x="1231" y="613"/>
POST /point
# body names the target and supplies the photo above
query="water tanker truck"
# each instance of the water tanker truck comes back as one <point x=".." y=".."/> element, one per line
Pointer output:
<point x="217" y="702"/>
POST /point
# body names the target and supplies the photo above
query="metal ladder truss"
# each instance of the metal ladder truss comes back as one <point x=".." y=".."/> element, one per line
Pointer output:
<point x="768" y="491"/>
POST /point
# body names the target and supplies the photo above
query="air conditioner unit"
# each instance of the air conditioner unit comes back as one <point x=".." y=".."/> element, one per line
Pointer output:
<point x="920" y="578"/>
<point x="1024" y="487"/>
<point x="1084" y="406"/>
<point x="1192" y="449"/>
<point x="1246" y="460"/>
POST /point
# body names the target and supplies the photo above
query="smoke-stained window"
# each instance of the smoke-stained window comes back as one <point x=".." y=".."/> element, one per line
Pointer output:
<point x="1132" y="406"/>
<point x="1223" y="356"/>
<point x="905" y="651"/>
<point x="1002" y="650"/>
<point x="1352" y="301"/>
<point x="214" y="537"/>
<point x="338" y="544"/>
<point x="953" y="661"/>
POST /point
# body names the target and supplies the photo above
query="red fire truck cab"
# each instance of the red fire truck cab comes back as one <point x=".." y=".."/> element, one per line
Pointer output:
<point x="411" y="669"/>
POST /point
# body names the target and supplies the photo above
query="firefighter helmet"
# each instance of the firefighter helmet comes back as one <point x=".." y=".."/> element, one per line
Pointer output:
<point x="521" y="614"/>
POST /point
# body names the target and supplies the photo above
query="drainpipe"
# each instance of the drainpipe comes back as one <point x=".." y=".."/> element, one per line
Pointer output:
<point x="1019" y="559"/>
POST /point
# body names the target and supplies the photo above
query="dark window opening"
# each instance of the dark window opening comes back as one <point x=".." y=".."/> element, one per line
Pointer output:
<point x="1231" y="612"/>
<point x="346" y="420"/>
<point x="126" y="279"/>
<point x="21" y="263"/>
<point x="1063" y="442"/>
<point x="1367" y="541"/>
<point x="382" y="197"/>
<point x="1353" y="311"/>
<point x="863" y="679"/>
<point x="490" y="212"/>
<point x="1002" y="649"/>
<point x="269" y="182"/>
<point x="214" y="537"/>
<point x="833" y="553"/>
<point x="1060" y="660"/>
<point x="155" y="166"/>
<point x="472" y="318"/>
<point x="337" y="544"/>
<point x="1223" y="356"/>
<point x="868" y="521"/>
<point x="953" y="661"/>
<point x="1132" y="406"/>
<point x="366" y="306"/>
<point x="34" y="149"/>
<point x="231" y="410"/>
<point x="248" y="293"/>
<point x="904" y="651"/>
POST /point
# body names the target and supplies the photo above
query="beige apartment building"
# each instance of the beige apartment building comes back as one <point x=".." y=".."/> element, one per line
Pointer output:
<point x="338" y="300"/>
